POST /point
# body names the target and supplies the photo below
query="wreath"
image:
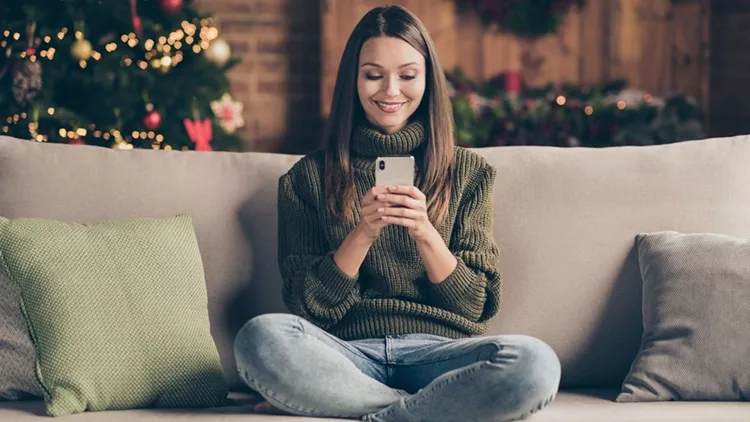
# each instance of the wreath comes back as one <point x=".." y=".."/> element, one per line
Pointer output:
<point x="525" y="18"/>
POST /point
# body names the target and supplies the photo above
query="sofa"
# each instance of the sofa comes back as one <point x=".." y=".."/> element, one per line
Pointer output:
<point x="565" y="222"/>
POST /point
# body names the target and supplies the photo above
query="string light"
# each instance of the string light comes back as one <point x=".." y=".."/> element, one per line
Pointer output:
<point x="16" y="36"/>
<point x="561" y="100"/>
<point x="648" y="97"/>
<point x="124" y="38"/>
<point x="47" y="39"/>
<point x="82" y="63"/>
<point x="149" y="44"/>
<point x="7" y="33"/>
<point x="621" y="105"/>
<point x="588" y="110"/>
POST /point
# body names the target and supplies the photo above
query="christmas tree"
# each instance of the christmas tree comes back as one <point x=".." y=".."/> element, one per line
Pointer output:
<point x="116" y="73"/>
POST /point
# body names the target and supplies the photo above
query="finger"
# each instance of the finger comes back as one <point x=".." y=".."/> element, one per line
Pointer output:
<point x="411" y="191"/>
<point x="403" y="212"/>
<point x="373" y="208"/>
<point x="371" y="195"/>
<point x="401" y="199"/>
<point x="400" y="221"/>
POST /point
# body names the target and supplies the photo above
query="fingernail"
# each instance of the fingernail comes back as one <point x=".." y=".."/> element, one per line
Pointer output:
<point x="381" y="209"/>
<point x="391" y="188"/>
<point x="381" y="196"/>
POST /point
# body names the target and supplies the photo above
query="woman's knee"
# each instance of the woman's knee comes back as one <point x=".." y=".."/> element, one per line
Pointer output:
<point x="539" y="365"/>
<point x="260" y="335"/>
<point x="535" y="362"/>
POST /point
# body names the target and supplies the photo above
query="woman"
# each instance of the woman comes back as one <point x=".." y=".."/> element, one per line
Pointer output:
<point x="387" y="284"/>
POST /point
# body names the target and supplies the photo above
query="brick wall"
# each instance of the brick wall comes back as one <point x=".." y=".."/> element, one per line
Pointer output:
<point x="278" y="80"/>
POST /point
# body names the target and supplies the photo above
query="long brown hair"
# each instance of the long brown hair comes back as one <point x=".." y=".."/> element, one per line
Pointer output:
<point x="436" y="158"/>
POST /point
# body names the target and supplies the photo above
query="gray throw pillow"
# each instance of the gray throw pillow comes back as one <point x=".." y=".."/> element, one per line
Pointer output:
<point x="17" y="380"/>
<point x="696" y="319"/>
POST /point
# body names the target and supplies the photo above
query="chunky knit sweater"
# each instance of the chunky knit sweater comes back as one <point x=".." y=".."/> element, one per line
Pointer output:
<point x="391" y="294"/>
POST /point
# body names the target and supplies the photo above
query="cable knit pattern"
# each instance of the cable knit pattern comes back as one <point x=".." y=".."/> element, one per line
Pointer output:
<point x="391" y="293"/>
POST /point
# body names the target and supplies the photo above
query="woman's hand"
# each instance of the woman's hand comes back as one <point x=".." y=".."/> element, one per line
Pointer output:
<point x="370" y="223"/>
<point x="413" y="211"/>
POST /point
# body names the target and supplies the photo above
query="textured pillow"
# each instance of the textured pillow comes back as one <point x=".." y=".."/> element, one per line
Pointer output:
<point x="696" y="319"/>
<point x="117" y="313"/>
<point x="16" y="351"/>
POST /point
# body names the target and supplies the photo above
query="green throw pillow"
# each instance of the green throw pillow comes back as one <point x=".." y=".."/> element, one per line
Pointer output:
<point x="117" y="313"/>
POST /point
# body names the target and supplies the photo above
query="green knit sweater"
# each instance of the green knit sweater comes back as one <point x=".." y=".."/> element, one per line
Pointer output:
<point x="391" y="293"/>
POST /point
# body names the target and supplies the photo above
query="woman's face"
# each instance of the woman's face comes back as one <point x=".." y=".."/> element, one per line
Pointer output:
<point x="390" y="82"/>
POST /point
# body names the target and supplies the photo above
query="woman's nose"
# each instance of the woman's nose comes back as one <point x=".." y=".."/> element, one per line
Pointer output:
<point x="392" y="88"/>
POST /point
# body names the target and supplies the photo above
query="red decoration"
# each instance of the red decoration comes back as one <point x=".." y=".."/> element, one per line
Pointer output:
<point x="135" y="18"/>
<point x="513" y="82"/>
<point x="200" y="132"/>
<point x="171" y="7"/>
<point x="152" y="120"/>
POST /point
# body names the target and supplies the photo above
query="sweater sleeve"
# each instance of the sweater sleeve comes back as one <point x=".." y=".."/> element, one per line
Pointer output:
<point x="315" y="288"/>
<point x="473" y="288"/>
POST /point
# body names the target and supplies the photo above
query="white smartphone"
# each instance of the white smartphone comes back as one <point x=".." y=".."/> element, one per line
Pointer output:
<point x="397" y="170"/>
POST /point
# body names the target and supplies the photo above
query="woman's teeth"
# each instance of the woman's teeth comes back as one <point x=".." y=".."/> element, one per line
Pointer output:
<point x="389" y="108"/>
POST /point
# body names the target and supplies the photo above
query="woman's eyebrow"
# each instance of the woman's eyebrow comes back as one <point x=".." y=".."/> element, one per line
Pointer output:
<point x="380" y="67"/>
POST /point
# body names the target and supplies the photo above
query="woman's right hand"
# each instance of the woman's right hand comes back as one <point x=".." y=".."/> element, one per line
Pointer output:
<point x="371" y="223"/>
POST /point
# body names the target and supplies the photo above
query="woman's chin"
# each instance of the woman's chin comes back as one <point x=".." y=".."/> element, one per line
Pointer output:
<point x="390" y="123"/>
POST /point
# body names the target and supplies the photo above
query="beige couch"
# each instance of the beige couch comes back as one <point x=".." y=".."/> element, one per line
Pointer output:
<point x="565" y="222"/>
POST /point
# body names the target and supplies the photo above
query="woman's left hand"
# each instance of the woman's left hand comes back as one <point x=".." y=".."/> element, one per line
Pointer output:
<point x="413" y="211"/>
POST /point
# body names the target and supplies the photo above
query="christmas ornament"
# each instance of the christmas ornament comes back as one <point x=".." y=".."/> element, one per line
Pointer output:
<point x="229" y="113"/>
<point x="218" y="52"/>
<point x="200" y="132"/>
<point x="81" y="49"/>
<point x="152" y="119"/>
<point x="171" y="7"/>
<point x="27" y="81"/>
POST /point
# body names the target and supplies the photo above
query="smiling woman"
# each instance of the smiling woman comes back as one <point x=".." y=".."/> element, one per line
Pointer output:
<point x="410" y="270"/>
<point x="390" y="90"/>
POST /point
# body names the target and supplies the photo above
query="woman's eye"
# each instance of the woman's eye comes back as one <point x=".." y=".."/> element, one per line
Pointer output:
<point x="408" y="77"/>
<point x="373" y="77"/>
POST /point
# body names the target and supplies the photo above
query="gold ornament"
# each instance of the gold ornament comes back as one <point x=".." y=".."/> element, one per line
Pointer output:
<point x="218" y="52"/>
<point x="81" y="49"/>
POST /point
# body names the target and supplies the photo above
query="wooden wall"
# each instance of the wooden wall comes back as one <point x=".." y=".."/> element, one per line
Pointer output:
<point x="658" y="45"/>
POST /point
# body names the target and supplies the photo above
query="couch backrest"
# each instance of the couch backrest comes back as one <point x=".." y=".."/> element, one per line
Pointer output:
<point x="565" y="221"/>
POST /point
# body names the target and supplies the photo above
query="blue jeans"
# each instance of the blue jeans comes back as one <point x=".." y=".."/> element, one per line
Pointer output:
<point x="301" y="369"/>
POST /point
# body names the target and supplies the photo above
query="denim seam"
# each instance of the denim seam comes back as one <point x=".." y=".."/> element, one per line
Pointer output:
<point x="443" y="359"/>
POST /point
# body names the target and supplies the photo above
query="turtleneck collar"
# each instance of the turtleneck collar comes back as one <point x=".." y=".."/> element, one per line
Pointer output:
<point x="368" y="142"/>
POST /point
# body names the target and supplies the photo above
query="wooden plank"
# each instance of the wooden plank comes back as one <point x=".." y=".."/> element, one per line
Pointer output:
<point x="329" y="52"/>
<point x="592" y="42"/>
<point x="655" y="64"/>
<point x="470" y="48"/>
<point x="444" y="32"/>
<point x="706" y="62"/>
<point x="687" y="49"/>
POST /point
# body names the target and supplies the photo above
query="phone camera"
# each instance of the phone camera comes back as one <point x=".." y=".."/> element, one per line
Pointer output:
<point x="382" y="164"/>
